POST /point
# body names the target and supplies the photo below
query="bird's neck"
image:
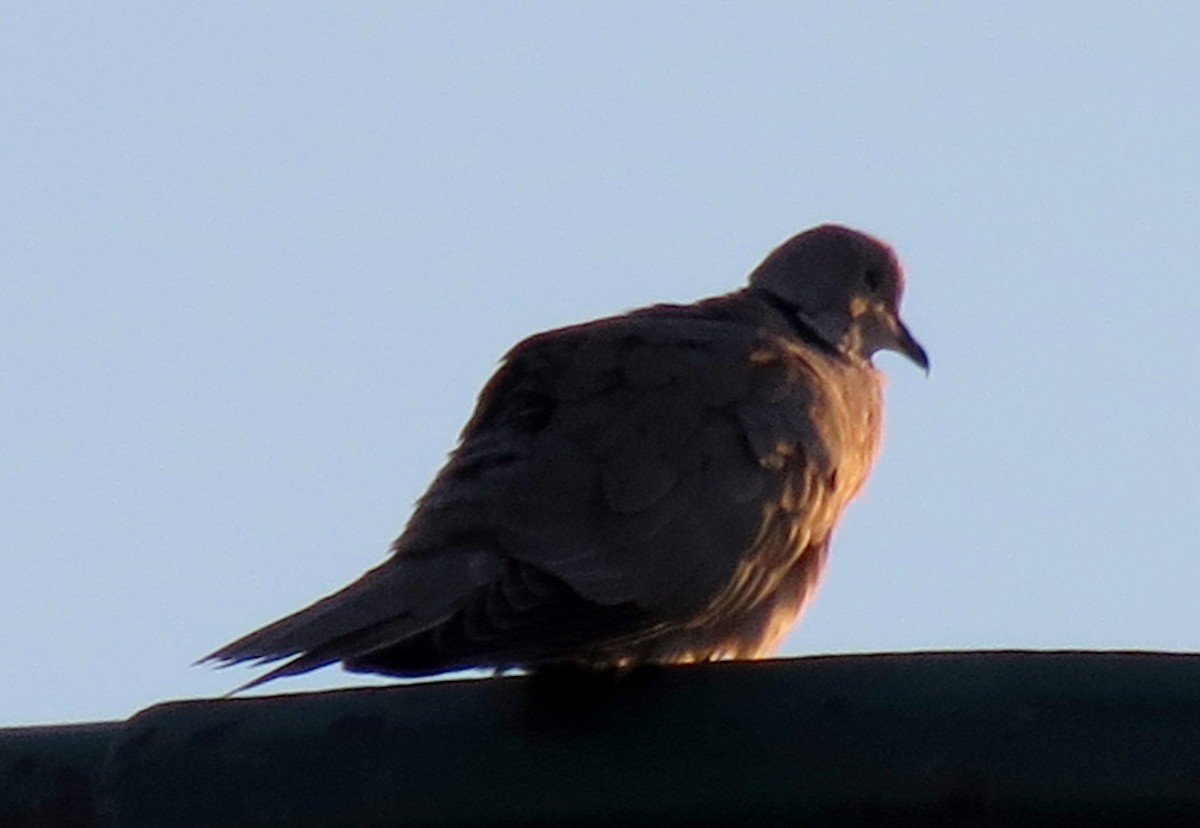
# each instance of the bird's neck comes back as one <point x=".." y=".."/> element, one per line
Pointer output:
<point x="809" y="330"/>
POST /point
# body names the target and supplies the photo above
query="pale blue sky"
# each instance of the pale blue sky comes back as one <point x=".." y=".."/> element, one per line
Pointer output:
<point x="256" y="260"/>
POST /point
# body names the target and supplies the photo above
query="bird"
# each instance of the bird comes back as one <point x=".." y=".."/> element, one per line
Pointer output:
<point x="656" y="487"/>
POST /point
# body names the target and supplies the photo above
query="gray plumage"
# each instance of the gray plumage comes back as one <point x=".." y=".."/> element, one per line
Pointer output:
<point x="654" y="487"/>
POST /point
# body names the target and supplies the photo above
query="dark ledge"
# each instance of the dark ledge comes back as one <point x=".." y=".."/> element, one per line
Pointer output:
<point x="975" y="738"/>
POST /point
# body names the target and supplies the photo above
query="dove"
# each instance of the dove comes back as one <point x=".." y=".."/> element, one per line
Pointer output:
<point x="651" y="488"/>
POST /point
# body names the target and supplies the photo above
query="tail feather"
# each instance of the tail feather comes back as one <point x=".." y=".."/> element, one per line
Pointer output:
<point x="396" y="600"/>
<point x="298" y="665"/>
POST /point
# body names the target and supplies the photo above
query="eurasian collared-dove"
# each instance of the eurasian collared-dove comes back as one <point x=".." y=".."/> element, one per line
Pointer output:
<point x="654" y="487"/>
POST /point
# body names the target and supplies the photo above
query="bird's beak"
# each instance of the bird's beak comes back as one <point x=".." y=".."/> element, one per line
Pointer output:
<point x="906" y="344"/>
<point x="880" y="329"/>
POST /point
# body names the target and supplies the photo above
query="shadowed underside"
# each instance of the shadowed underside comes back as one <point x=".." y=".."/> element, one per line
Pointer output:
<point x="655" y="487"/>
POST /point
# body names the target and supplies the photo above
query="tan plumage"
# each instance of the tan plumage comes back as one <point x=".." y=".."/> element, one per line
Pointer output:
<point x="654" y="487"/>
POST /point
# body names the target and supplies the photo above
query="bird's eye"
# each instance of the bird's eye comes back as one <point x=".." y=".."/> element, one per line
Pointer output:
<point x="873" y="280"/>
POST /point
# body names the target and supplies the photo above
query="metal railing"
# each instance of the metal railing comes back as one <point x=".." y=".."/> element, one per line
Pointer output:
<point x="970" y="738"/>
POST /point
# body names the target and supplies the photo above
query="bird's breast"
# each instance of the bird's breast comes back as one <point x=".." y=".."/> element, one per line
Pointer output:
<point x="830" y="450"/>
<point x="819" y="446"/>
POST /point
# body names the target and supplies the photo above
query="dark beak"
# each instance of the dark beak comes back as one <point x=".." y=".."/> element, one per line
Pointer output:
<point x="907" y="345"/>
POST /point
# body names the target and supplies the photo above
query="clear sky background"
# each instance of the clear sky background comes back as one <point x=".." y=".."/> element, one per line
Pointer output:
<point x="256" y="260"/>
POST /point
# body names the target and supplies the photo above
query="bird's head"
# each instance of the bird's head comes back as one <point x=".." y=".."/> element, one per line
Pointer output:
<point x="845" y="286"/>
